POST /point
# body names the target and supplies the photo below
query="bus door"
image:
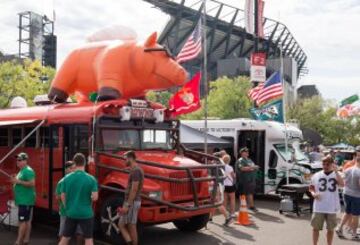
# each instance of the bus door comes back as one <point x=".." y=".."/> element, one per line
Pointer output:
<point x="255" y="142"/>
<point x="76" y="139"/>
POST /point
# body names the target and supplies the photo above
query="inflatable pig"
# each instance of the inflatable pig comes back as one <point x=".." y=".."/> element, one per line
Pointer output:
<point x="116" y="69"/>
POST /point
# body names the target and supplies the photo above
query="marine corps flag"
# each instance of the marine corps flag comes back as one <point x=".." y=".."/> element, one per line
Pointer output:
<point x="187" y="99"/>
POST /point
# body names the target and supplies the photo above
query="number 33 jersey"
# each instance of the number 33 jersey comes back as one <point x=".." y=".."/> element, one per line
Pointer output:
<point x="326" y="185"/>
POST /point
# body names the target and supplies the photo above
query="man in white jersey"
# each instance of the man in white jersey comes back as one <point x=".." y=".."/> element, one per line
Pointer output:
<point x="324" y="188"/>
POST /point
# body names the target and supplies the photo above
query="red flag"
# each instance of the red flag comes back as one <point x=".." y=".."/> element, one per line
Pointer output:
<point x="187" y="99"/>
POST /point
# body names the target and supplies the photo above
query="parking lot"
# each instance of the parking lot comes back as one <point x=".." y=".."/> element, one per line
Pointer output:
<point x="270" y="228"/>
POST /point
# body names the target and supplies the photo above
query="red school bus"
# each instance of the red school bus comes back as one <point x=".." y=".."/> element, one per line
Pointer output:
<point x="180" y="186"/>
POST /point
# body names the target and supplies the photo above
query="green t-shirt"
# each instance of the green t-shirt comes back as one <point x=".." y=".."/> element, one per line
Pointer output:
<point x="245" y="176"/>
<point x="58" y="193"/>
<point x="78" y="187"/>
<point x="25" y="195"/>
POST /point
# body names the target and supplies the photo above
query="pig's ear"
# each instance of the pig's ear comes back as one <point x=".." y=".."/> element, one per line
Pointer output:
<point x="151" y="41"/>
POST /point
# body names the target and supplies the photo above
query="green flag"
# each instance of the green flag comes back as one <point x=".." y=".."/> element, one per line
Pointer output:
<point x="272" y="111"/>
<point x="349" y="100"/>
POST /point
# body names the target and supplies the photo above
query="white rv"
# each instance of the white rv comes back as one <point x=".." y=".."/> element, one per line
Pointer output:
<point x="266" y="142"/>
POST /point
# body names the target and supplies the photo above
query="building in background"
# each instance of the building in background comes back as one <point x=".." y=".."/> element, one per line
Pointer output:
<point x="229" y="46"/>
<point x="307" y="91"/>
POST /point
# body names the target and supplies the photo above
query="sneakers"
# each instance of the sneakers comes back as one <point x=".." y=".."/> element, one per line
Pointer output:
<point x="228" y="221"/>
<point x="254" y="209"/>
<point x="355" y="237"/>
<point x="339" y="233"/>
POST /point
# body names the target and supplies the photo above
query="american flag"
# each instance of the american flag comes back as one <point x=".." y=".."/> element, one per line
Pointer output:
<point x="192" y="46"/>
<point x="254" y="92"/>
<point x="272" y="89"/>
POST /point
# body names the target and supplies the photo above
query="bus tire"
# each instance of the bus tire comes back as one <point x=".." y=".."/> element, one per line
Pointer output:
<point x="107" y="218"/>
<point x="192" y="224"/>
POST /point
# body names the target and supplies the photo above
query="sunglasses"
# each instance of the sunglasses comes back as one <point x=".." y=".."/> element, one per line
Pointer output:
<point x="163" y="49"/>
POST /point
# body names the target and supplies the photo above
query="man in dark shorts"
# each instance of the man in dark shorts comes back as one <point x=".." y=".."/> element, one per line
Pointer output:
<point x="78" y="191"/>
<point x="69" y="168"/>
<point x="24" y="193"/>
<point x="245" y="170"/>
<point x="132" y="201"/>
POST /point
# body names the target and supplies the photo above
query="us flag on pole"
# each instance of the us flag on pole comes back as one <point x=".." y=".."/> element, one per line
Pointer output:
<point x="271" y="90"/>
<point x="192" y="46"/>
<point x="254" y="92"/>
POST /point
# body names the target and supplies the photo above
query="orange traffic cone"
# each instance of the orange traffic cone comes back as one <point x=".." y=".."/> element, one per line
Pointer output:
<point x="243" y="217"/>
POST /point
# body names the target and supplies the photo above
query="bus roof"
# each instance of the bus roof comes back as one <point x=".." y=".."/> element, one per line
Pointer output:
<point x="61" y="113"/>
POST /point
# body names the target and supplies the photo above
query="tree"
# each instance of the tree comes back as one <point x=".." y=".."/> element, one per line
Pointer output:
<point x="161" y="97"/>
<point x="227" y="99"/>
<point x="320" y="115"/>
<point x="26" y="80"/>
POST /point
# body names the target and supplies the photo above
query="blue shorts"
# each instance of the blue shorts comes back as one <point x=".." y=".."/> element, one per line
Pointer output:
<point x="352" y="205"/>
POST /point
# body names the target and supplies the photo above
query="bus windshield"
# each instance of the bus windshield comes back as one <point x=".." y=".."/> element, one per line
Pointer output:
<point x="134" y="139"/>
<point x="293" y="153"/>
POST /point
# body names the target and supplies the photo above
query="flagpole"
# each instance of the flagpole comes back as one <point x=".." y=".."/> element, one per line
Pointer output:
<point x="206" y="89"/>
<point x="284" y="112"/>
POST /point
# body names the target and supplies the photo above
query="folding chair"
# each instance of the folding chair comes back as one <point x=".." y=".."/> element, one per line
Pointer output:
<point x="5" y="209"/>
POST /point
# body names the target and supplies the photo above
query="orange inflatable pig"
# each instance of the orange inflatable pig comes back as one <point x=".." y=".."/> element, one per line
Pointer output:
<point x="116" y="70"/>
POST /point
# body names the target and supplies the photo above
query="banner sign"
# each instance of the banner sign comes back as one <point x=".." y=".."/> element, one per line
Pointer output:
<point x="349" y="100"/>
<point x="258" y="67"/>
<point x="260" y="18"/>
<point x="270" y="112"/>
<point x="249" y="16"/>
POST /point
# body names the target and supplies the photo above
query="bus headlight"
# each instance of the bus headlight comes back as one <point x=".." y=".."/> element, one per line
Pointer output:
<point x="155" y="195"/>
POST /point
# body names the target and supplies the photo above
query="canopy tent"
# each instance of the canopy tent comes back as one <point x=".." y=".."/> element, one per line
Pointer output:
<point x="194" y="139"/>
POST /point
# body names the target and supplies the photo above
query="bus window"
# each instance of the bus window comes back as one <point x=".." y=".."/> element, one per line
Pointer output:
<point x="114" y="139"/>
<point x="273" y="159"/>
<point x="31" y="141"/>
<point x="4" y="137"/>
<point x="45" y="134"/>
<point x="16" y="135"/>
<point x="156" y="139"/>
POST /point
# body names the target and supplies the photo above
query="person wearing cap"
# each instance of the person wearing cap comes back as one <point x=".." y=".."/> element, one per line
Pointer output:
<point x="24" y="194"/>
<point x="245" y="170"/>
<point x="351" y="198"/>
<point x="78" y="192"/>
<point x="69" y="168"/>
<point x="324" y="188"/>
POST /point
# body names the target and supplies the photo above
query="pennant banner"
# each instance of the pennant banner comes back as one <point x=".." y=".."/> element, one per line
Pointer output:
<point x="271" y="112"/>
<point x="187" y="99"/>
<point x="249" y="16"/>
<point x="349" y="100"/>
<point x="260" y="18"/>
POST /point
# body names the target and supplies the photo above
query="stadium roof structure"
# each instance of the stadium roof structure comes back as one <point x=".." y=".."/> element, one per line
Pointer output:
<point x="225" y="31"/>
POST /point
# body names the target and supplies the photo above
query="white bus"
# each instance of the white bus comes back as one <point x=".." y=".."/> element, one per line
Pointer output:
<point x="266" y="142"/>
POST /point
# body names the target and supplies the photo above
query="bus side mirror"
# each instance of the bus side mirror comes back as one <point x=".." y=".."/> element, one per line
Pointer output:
<point x="272" y="173"/>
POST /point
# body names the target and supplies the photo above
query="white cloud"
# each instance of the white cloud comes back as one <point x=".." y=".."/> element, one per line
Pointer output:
<point x="326" y="30"/>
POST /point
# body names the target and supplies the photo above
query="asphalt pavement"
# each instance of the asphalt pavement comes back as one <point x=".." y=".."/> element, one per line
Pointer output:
<point x="270" y="228"/>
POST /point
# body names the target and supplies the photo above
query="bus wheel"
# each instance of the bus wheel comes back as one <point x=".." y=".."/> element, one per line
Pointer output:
<point x="109" y="219"/>
<point x="193" y="223"/>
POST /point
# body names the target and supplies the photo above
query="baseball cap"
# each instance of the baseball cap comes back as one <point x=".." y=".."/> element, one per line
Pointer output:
<point x="357" y="148"/>
<point x="244" y="149"/>
<point x="22" y="156"/>
<point x="69" y="164"/>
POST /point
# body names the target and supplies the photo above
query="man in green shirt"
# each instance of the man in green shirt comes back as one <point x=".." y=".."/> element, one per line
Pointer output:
<point x="78" y="191"/>
<point x="246" y="170"/>
<point x="24" y="193"/>
<point x="69" y="168"/>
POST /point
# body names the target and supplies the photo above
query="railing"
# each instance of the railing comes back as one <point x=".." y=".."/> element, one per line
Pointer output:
<point x="212" y="165"/>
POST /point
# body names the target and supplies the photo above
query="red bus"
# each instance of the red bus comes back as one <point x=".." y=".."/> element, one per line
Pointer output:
<point x="180" y="185"/>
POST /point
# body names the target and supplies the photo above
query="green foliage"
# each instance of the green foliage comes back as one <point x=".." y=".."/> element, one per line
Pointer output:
<point x="160" y="97"/>
<point x="227" y="99"/>
<point x="26" y="80"/>
<point x="320" y="115"/>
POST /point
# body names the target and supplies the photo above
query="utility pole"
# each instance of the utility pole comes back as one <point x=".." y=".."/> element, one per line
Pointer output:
<point x="256" y="38"/>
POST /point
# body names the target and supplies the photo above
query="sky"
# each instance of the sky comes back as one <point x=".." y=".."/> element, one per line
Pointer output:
<point x="326" y="30"/>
